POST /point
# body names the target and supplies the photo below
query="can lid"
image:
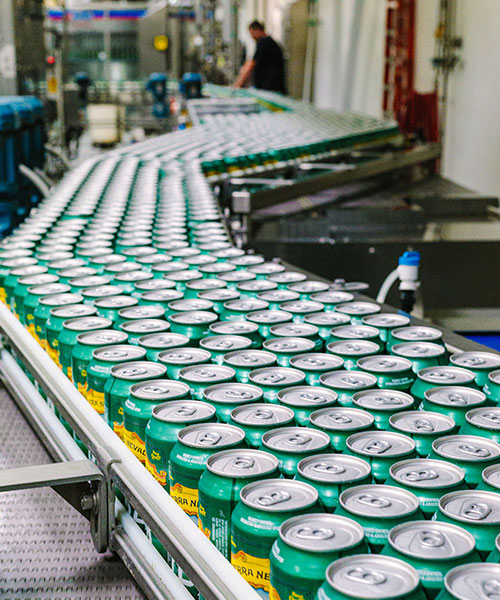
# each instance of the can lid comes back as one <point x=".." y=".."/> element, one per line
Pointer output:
<point x="341" y="419"/>
<point x="256" y="285"/>
<point x="355" y="332"/>
<point x="320" y="532"/>
<point x="308" y="287"/>
<point x="288" y="345"/>
<point x="279" y="495"/>
<point x="296" y="440"/>
<point x="211" y="435"/>
<point x="316" y="361"/>
<point x="473" y="581"/>
<point x="466" y="448"/>
<point x="183" y="411"/>
<point x="472" y="506"/>
<point x="245" y="305"/>
<point x="379" y="500"/>
<point x="382" y="400"/>
<point x="159" y="389"/>
<point x="494" y="376"/>
<point x="232" y="393"/>
<point x="219" y="294"/>
<point x="234" y="327"/>
<point x="49" y="289"/>
<point x="385" y="364"/>
<point x="141" y="312"/>
<point x="266" y="268"/>
<point x="444" y="375"/>
<point x="249" y="358"/>
<point x="87" y="323"/>
<point x="333" y="297"/>
<point x="73" y="311"/>
<point x="242" y="464"/>
<point x="163" y="295"/>
<point x="485" y="417"/>
<point x="334" y="468"/>
<point x="225" y="343"/>
<point x="152" y="285"/>
<point x="278" y="296"/>
<point x="269" y="316"/>
<point x="307" y="396"/>
<point x="380" y="443"/>
<point x="145" y="326"/>
<point x="119" y="353"/>
<point x="206" y="373"/>
<point x="386" y="320"/>
<point x="38" y="279"/>
<point x="133" y="276"/>
<point x="372" y="577"/>
<point x="415" y="333"/>
<point x="422" y="422"/>
<point x="195" y="317"/>
<point x="60" y="299"/>
<point x="163" y="340"/>
<point x="358" y="308"/>
<point x="302" y="306"/>
<point x="327" y="319"/>
<point x="100" y="291"/>
<point x="246" y="260"/>
<point x="184" y="356"/>
<point x="427" y="473"/>
<point x="262" y="415"/>
<point x="353" y="348"/>
<point x="348" y="380"/>
<point x="460" y="397"/>
<point x="101" y="337"/>
<point x="120" y="301"/>
<point x="418" y="350"/>
<point x="189" y="304"/>
<point x="138" y="370"/>
<point x="476" y="360"/>
<point x="294" y="330"/>
<point x="276" y="376"/>
<point x="491" y="476"/>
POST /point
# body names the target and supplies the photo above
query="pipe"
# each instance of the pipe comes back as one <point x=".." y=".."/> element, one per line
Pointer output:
<point x="386" y="286"/>
<point x="59" y="154"/>
<point x="36" y="180"/>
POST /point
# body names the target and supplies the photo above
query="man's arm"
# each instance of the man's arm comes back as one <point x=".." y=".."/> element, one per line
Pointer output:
<point x="245" y="74"/>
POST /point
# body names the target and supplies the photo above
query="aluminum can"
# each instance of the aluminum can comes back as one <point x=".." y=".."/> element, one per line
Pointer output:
<point x="11" y="279"/>
<point x="244" y="328"/>
<point x="110" y="306"/>
<point x="347" y="383"/>
<point x="21" y="290"/>
<point x="90" y="295"/>
<point x="305" y="399"/>
<point x="415" y="333"/>
<point x="351" y="351"/>
<point x="383" y="404"/>
<point x="480" y="363"/>
<point x="331" y="474"/>
<point x="423" y="427"/>
<point x="385" y="323"/>
<point x="428" y="479"/>
<point x="236" y="310"/>
<point x="138" y="328"/>
<point x="189" y="455"/>
<point x="156" y="343"/>
<point x="193" y="324"/>
<point x="470" y="582"/>
<point x="301" y="308"/>
<point x="306" y="289"/>
<point x="200" y="377"/>
<point x="177" y="359"/>
<point x="492" y="387"/>
<point x="42" y="313"/>
<point x="199" y="286"/>
<point x="265" y="319"/>
<point x="245" y="361"/>
<point x="332" y="298"/>
<point x="167" y="420"/>
<point x="54" y="324"/>
<point x="494" y="556"/>
<point x="151" y="285"/>
<point x="483" y="421"/>
<point x="80" y="283"/>
<point x="392" y="372"/>
<point x="291" y="444"/>
<point x="217" y="296"/>
<point x="117" y="389"/>
<point x="339" y="423"/>
<point x="276" y="297"/>
<point x="265" y="269"/>
<point x="325" y="321"/>
<point x="32" y="299"/>
<point x="421" y="354"/>
<point x="306" y="545"/>
<point x="226" y="474"/>
<point x="432" y="377"/>
<point x="227" y="396"/>
<point x="126" y="281"/>
<point x="138" y="409"/>
<point x="358" y="310"/>
<point x="453" y="401"/>
<point x="159" y="299"/>
<point x="139" y="312"/>
<point x="490" y="479"/>
<point x="256" y="419"/>
<point x="298" y="330"/>
<point x="344" y="333"/>
<point x="315" y="364"/>
<point x="287" y="347"/>
<point x="378" y="508"/>
<point x="263" y="507"/>
<point x="381" y="449"/>
<point x="219" y="345"/>
<point x="274" y="379"/>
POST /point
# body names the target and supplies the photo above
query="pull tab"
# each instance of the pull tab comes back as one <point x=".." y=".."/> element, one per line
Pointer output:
<point x="313" y="362"/>
<point x="386" y="363"/>
<point x="185" y="411"/>
<point x="238" y="395"/>
<point x="209" y="438"/>
<point x="352" y="347"/>
<point x="224" y="344"/>
<point x="352" y="381"/>
<point x="273" y="498"/>
<point x="315" y="533"/>
<point x="312" y="398"/>
<point x="249" y="358"/>
<point x="154" y="389"/>
<point x="322" y="467"/>
<point x="243" y="462"/>
<point x="431" y="539"/>
<point x="374" y="501"/>
<point x="476" y="511"/>
<point x="492" y="418"/>
<point x="473" y="361"/>
<point x="424" y="425"/>
<point x="366" y="576"/>
<point x="474" y="450"/>
<point x="131" y="371"/>
<point x="387" y="401"/>
<point x="205" y="373"/>
<point x="377" y="446"/>
<point x="491" y="588"/>
<point x="263" y="414"/>
<point x="299" y="439"/>
<point x="458" y="399"/>
<point x="273" y="378"/>
<point x="439" y="375"/>
<point x="338" y="418"/>
<point x="423" y="475"/>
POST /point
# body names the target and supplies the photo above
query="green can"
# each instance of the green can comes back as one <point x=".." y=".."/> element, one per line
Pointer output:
<point x="110" y="306"/>
<point x="385" y="323"/>
<point x="490" y="479"/>
<point x="138" y="410"/>
<point x="78" y="284"/>
<point x="263" y="507"/>
<point x="483" y="421"/>
<point x="443" y="376"/>
<point x="167" y="420"/>
<point x="256" y="419"/>
<point x="315" y="364"/>
<point x="42" y="313"/>
<point x="492" y="387"/>
<point x="291" y="444"/>
<point x="494" y="556"/>
<point x="298" y="330"/>
<point x="128" y="280"/>
<point x="286" y="348"/>
<point x="246" y="260"/>
<point x="21" y="289"/>
<point x="454" y="401"/>
<point x="357" y="310"/>
<point x="340" y="423"/>
<point x="356" y="333"/>
<point x="54" y="325"/>
<point x="237" y="310"/>
<point x="423" y="427"/>
<point x="218" y="296"/>
<point x="301" y="308"/>
<point x="378" y="508"/>
<point x="60" y="265"/>
<point x="326" y="321"/>
<point x="331" y="474"/>
<point x="198" y="378"/>
<point x="189" y="304"/>
<point x="306" y="289"/>
<point x="194" y="324"/>
<point x="12" y="274"/>
<point x="428" y="479"/>
<point x="305" y="399"/>
<point x="99" y="370"/>
<point x="32" y="299"/>
<point x="383" y="404"/>
<point x="117" y="388"/>
<point x="227" y="396"/>
<point x="156" y="343"/>
<point x="151" y="285"/>
<point x="195" y="444"/>
<point x="480" y="363"/>
<point x="90" y="295"/>
<point x="160" y="299"/>
<point x="177" y="359"/>
<point x="332" y="299"/>
<point x="225" y="475"/>
<point x="200" y="286"/>
<point x="276" y="297"/>
<point x="273" y="379"/>
<point x="138" y="328"/>
<point x="306" y="545"/>
<point x="392" y="372"/>
<point x="219" y="345"/>
<point x="470" y="582"/>
<point x="421" y="354"/>
<point x="351" y="351"/>
<point x="99" y="263"/>
<point x="244" y="328"/>
<point x="245" y="361"/>
<point x="139" y="312"/>
<point x="415" y="333"/>
<point x="347" y="383"/>
<point x="265" y="319"/>
<point x="381" y="449"/>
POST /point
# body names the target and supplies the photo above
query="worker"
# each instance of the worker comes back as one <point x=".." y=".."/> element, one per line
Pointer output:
<point x="266" y="69"/>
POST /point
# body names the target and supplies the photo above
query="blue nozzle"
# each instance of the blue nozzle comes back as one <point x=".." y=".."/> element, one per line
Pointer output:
<point x="410" y="259"/>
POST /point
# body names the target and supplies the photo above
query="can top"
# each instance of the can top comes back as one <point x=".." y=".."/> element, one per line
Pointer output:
<point x="278" y="296"/>
<point x="455" y="396"/>
<point x="287" y="277"/>
<point x="446" y="375"/>
<point x="87" y="323"/>
<point x="386" y="320"/>
<point x="159" y="389"/>
<point x="60" y="299"/>
<point x="380" y="443"/>
<point x="334" y="468"/>
<point x="119" y="353"/>
<point x="152" y="285"/>
<point x="372" y="577"/>
<point x="206" y="373"/>
<point x="184" y="356"/>
<point x="73" y="311"/>
<point x="101" y="337"/>
<point x="279" y="495"/>
<point x="119" y="301"/>
<point x="218" y="294"/>
<point x="491" y="475"/>
<point x="89" y="281"/>
<point x="422" y="422"/>
<point x="354" y="332"/>
<point x="266" y="268"/>
<point x="262" y="415"/>
<point x="38" y="279"/>
<point x="49" y="289"/>
<point x="145" y="326"/>
<point x="385" y="364"/>
<point x="269" y="316"/>
<point x="301" y="306"/>
<point x="348" y="380"/>
<point x="232" y="393"/>
<point x="183" y="411"/>
<point x="233" y="327"/>
<point x="316" y="361"/>
<point x="133" y="276"/>
<point x="418" y="350"/>
<point x="256" y="285"/>
<point x="288" y="345"/>
<point x="476" y="360"/>
<point x="327" y="319"/>
<point x="101" y="291"/>
<point x="473" y="581"/>
<point x="194" y="317"/>
<point x="225" y="343"/>
<point x="211" y="435"/>
<point x="246" y="260"/>
<point x="242" y="464"/>
<point x="295" y="330"/>
<point x="358" y="308"/>
<point x="415" y="333"/>
<point x="382" y="400"/>
<point x="485" y="417"/>
<point x="320" y="532"/>
<point x="341" y="419"/>
<point x="296" y="440"/>
<point x="307" y="396"/>
<point x="380" y="501"/>
<point x="308" y="287"/>
<point x="276" y="376"/>
<point x="472" y="506"/>
<point x="189" y="304"/>
<point x="141" y="312"/>
<point x="353" y="348"/>
<point x="163" y="340"/>
<point x="467" y="448"/>
<point x="162" y="295"/>
<point x="138" y="370"/>
<point x="494" y="376"/>
<point x="427" y="473"/>
<point x="333" y="297"/>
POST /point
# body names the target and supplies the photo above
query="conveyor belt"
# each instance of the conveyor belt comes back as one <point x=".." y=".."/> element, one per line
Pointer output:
<point x="45" y="547"/>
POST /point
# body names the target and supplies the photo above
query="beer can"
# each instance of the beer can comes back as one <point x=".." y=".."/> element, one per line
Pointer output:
<point x="492" y="387"/>
<point x="200" y="377"/>
<point x="190" y="304"/>
<point x="291" y="444"/>
<point x="138" y="409"/>
<point x="122" y="267"/>
<point x="347" y="383"/>
<point x="383" y="404"/>
<point x="298" y="330"/>
<point x="301" y="308"/>
<point x="21" y="289"/>
<point x="432" y="548"/>
<point x="332" y="298"/>
<point x="199" y="286"/>
<point x="494" y="556"/>
<point x="151" y="285"/>
<point x="156" y="343"/>
<point x="99" y="370"/>
<point x="326" y="321"/>
<point x="42" y="313"/>
<point x="90" y="295"/>
<point x="331" y="474"/>
<point x="392" y="372"/>
<point x="357" y="310"/>
<point x="276" y="297"/>
<point x="83" y="282"/>
<point x="471" y="452"/>
<point x="233" y="278"/>
<point x="350" y="351"/>
<point x="381" y="449"/>
<point x="483" y="421"/>
<point x="432" y="377"/>
<point x="159" y="298"/>
<point x="110" y="306"/>
<point x="286" y="348"/>
<point x="480" y="363"/>
<point x="478" y="511"/>
<point x="177" y="358"/>
<point x="256" y="419"/>
<point x="263" y="507"/>
<point x="53" y="327"/>
<point x="265" y="269"/>
<point x="423" y="427"/>
<point x="12" y="277"/>
<point x="226" y="474"/>
<point x="273" y="379"/>
<point x="245" y="361"/>
<point x="343" y="333"/>
<point x="244" y="328"/>
<point x="490" y="479"/>
<point x="219" y="345"/>
<point x="117" y="388"/>
<point x="339" y="423"/>
<point x="428" y="479"/>
<point x="236" y="310"/>
<point x="454" y="401"/>
<point x="218" y="297"/>
<point x="32" y="299"/>
<point x="126" y="281"/>
<point x="369" y="576"/>
<point x="306" y="545"/>
<point x="189" y="455"/>
<point x="470" y="582"/>
<point x="138" y="328"/>
<point x="167" y="420"/>
<point x="414" y="333"/>
<point x="307" y="288"/>
<point x="304" y="400"/>
<point x="227" y="396"/>
<point x="100" y="262"/>
<point x="193" y="324"/>
<point x="385" y="323"/>
<point x="139" y="312"/>
<point x="378" y="508"/>
<point x="265" y="319"/>
<point x="315" y="364"/>
<point x="421" y="354"/>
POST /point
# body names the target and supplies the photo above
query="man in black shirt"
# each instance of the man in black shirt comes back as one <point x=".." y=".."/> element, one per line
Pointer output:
<point x="267" y="67"/>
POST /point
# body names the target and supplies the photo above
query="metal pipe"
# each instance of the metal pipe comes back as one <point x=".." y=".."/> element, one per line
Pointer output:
<point x="36" y="180"/>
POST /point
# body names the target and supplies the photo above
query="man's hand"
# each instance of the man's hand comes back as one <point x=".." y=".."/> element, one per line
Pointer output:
<point x="245" y="74"/>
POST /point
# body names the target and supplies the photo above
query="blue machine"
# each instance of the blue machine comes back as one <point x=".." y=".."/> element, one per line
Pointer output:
<point x="191" y="86"/>
<point x="157" y="86"/>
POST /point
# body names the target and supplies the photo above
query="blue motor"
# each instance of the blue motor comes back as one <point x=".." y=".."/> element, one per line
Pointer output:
<point x="157" y="86"/>
<point x="191" y="86"/>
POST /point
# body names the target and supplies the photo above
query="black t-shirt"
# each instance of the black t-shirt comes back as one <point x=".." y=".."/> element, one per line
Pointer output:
<point x="269" y="72"/>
